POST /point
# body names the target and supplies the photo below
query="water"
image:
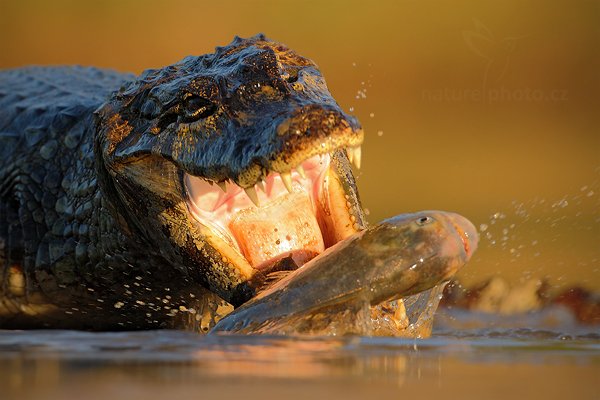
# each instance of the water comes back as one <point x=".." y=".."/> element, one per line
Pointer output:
<point x="479" y="360"/>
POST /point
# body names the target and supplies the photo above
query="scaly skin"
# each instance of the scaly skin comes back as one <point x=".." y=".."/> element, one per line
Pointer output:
<point x="64" y="257"/>
<point x="94" y="229"/>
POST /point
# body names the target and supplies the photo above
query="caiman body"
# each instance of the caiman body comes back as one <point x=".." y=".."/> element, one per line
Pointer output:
<point x="123" y="198"/>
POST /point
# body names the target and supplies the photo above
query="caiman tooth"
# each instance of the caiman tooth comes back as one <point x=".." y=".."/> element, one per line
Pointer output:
<point x="350" y="153"/>
<point x="301" y="171"/>
<point x="222" y="185"/>
<point x="286" y="177"/>
<point x="251" y="193"/>
<point x="357" y="154"/>
<point x="261" y="185"/>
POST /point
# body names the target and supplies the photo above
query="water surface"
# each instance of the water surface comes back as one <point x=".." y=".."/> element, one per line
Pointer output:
<point x="498" y="361"/>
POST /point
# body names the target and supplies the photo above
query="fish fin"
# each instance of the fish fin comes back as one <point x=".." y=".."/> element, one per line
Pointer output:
<point x="278" y="271"/>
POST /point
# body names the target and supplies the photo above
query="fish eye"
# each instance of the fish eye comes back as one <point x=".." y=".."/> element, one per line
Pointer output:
<point x="424" y="221"/>
<point x="196" y="107"/>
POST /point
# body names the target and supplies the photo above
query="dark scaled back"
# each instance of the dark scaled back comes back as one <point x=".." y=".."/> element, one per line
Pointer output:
<point x="42" y="103"/>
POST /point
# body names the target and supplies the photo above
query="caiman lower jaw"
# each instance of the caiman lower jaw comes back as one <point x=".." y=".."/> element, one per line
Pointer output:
<point x="295" y="215"/>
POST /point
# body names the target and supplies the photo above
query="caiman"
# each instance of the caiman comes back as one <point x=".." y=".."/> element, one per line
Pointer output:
<point x="166" y="199"/>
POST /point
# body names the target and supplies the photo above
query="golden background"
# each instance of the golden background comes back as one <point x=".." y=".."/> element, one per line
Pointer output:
<point x="490" y="109"/>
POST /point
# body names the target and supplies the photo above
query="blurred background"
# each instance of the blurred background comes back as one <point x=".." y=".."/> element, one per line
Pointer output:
<point x="489" y="109"/>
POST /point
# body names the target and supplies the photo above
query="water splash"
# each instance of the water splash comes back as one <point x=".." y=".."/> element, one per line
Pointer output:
<point x="526" y="228"/>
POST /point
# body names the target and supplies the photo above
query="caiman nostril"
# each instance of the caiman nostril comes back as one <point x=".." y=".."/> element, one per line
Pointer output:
<point x="292" y="78"/>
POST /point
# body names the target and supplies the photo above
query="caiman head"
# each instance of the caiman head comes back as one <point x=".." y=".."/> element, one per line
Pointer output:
<point x="232" y="163"/>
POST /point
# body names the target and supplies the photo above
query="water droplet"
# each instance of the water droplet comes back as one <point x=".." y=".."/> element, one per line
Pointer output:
<point x="562" y="203"/>
<point x="379" y="133"/>
<point x="498" y="215"/>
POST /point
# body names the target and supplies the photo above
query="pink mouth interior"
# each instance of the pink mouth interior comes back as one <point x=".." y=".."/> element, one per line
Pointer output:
<point x="285" y="224"/>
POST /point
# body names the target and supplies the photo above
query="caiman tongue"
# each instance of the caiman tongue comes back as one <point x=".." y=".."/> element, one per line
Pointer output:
<point x="284" y="227"/>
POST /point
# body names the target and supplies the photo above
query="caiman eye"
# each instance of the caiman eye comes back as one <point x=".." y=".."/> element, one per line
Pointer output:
<point x="424" y="221"/>
<point x="262" y="89"/>
<point x="196" y="107"/>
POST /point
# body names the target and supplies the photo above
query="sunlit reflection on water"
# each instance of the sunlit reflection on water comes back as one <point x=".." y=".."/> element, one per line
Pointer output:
<point x="474" y="363"/>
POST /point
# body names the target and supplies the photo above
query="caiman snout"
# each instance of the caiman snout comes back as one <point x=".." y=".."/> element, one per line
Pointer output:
<point x="317" y="119"/>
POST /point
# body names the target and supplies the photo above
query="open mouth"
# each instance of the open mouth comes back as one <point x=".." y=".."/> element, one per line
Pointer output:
<point x="467" y="232"/>
<point x="295" y="215"/>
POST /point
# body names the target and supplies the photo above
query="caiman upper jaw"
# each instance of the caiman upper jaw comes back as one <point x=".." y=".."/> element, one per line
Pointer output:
<point x="309" y="131"/>
<point x="244" y="155"/>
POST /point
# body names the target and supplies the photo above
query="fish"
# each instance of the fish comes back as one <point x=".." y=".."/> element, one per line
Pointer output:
<point x="342" y="291"/>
